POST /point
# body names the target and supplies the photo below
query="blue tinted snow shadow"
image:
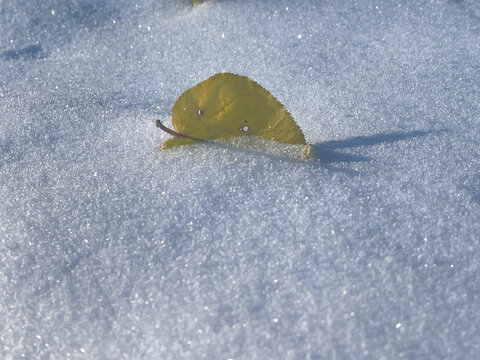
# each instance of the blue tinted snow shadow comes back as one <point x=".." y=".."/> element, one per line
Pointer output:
<point x="471" y="184"/>
<point x="26" y="53"/>
<point x="327" y="155"/>
<point x="380" y="138"/>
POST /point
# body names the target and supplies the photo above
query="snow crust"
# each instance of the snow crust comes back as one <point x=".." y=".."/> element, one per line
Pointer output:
<point x="112" y="250"/>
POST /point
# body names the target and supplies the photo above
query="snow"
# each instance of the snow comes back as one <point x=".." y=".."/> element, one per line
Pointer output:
<point x="110" y="249"/>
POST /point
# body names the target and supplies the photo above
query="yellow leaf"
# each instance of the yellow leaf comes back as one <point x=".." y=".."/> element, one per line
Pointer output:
<point x="226" y="106"/>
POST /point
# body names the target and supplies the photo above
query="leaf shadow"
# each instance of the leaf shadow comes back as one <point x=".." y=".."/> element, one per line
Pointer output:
<point x="327" y="153"/>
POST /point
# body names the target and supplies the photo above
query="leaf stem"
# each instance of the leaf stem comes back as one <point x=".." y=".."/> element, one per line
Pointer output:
<point x="173" y="132"/>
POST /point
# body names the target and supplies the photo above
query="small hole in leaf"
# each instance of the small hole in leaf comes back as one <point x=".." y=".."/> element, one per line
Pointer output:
<point x="200" y="112"/>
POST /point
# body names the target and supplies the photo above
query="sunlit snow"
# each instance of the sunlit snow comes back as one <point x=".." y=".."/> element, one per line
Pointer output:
<point x="110" y="249"/>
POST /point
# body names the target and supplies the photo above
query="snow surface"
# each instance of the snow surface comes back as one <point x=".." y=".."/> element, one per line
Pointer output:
<point x="112" y="250"/>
